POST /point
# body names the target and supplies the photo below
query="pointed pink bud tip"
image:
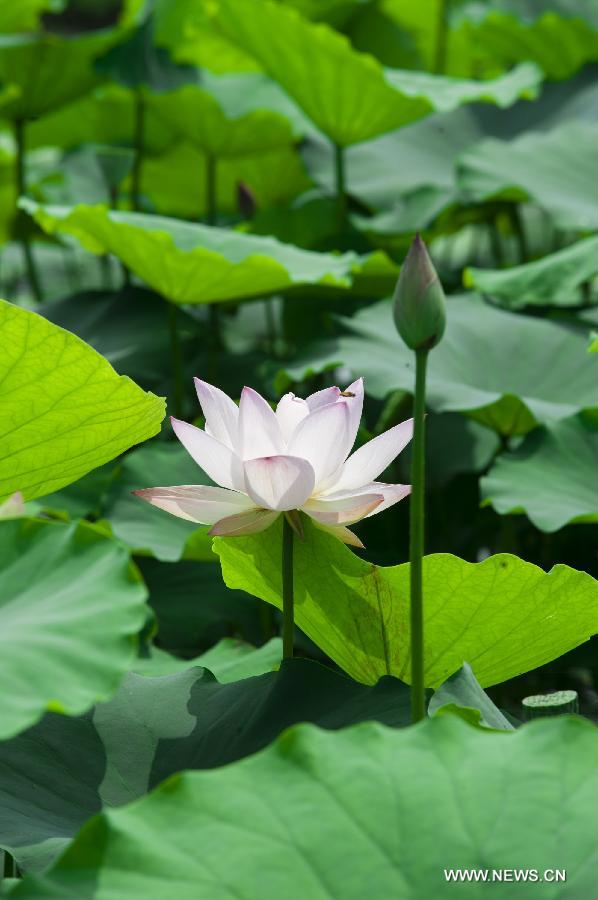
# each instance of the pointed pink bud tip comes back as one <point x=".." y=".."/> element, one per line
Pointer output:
<point x="419" y="302"/>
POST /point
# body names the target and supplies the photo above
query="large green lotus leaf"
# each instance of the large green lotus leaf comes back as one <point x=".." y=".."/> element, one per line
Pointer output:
<point x="189" y="263"/>
<point x="63" y="408"/>
<point x="467" y="371"/>
<point x="392" y="808"/>
<point x="485" y="38"/>
<point x="560" y="36"/>
<point x="49" y="70"/>
<point x="25" y="15"/>
<point x="503" y="615"/>
<point x="104" y="116"/>
<point x="551" y="476"/>
<point x="196" y="116"/>
<point x="175" y="183"/>
<point x="380" y="171"/>
<point x="158" y="464"/>
<point x="447" y="94"/>
<point x="336" y="12"/>
<point x="558" y="279"/>
<point x="356" y="99"/>
<point x="71" y="607"/>
<point x="554" y="169"/>
<point x="62" y="771"/>
<point x="137" y="62"/>
<point x="229" y="660"/>
<point x="188" y="30"/>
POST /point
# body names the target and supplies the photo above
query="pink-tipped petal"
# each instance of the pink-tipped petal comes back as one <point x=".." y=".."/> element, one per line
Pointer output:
<point x="221" y="413"/>
<point x="279" y="482"/>
<point x="323" y="398"/>
<point x="391" y="493"/>
<point x="259" y="431"/>
<point x="323" y="439"/>
<point x="343" y="511"/>
<point x="13" y="507"/>
<point x="369" y="461"/>
<point x="244" y="523"/>
<point x="215" y="458"/>
<point x="197" y="503"/>
<point x="290" y="412"/>
<point x="342" y="534"/>
<point x="354" y="399"/>
<point x="388" y="495"/>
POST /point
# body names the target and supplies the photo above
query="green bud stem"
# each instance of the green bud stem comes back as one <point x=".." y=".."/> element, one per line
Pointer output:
<point x="30" y="267"/>
<point x="340" y="185"/>
<point x="288" y="599"/>
<point x="416" y="543"/>
<point x="139" y="141"/>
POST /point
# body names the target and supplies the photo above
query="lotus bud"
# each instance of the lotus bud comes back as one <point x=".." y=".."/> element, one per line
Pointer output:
<point x="246" y="201"/>
<point x="419" y="302"/>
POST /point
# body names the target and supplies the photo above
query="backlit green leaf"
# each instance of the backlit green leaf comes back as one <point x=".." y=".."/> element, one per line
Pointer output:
<point x="63" y="408"/>
<point x="224" y="117"/>
<point x="349" y="95"/>
<point x="189" y="263"/>
<point x="49" y="70"/>
<point x="518" y="617"/>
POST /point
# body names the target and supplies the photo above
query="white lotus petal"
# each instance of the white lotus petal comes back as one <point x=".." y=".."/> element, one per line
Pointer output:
<point x="323" y="439"/>
<point x="259" y="431"/>
<point x="341" y="533"/>
<point x="343" y="511"/>
<point x="279" y="482"/>
<point x="214" y="457"/>
<point x="323" y="398"/>
<point x="290" y="411"/>
<point x="389" y="495"/>
<point x="244" y="523"/>
<point x="369" y="461"/>
<point x="354" y="400"/>
<point x="221" y="413"/>
<point x="392" y="493"/>
<point x="197" y="503"/>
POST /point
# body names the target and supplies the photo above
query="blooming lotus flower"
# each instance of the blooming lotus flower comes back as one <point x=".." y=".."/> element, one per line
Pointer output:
<point x="269" y="463"/>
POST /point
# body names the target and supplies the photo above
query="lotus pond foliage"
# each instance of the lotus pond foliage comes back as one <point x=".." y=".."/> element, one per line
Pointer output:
<point x="363" y="235"/>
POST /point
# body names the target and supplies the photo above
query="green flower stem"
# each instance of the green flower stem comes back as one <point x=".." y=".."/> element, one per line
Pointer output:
<point x="519" y="231"/>
<point x="441" y="38"/>
<point x="416" y="546"/>
<point x="138" y="150"/>
<point x="211" y="190"/>
<point x="22" y="223"/>
<point x="288" y="599"/>
<point x="215" y="342"/>
<point x="177" y="360"/>
<point x="340" y="185"/>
